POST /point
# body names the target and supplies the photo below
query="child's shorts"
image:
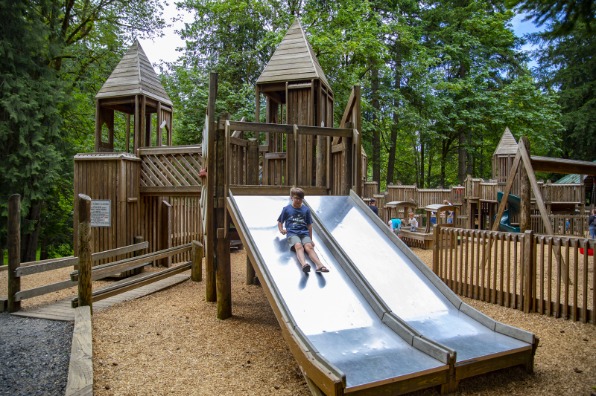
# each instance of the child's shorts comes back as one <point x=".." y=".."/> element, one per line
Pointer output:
<point x="294" y="239"/>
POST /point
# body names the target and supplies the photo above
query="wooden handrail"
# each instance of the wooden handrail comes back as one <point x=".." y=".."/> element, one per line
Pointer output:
<point x="289" y="129"/>
<point x="35" y="267"/>
<point x="101" y="271"/>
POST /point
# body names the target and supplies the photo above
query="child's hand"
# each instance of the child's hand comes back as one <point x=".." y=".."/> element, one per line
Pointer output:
<point x="283" y="231"/>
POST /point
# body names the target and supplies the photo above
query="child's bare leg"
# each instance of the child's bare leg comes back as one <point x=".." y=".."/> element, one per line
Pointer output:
<point x="310" y="250"/>
<point x="300" y="254"/>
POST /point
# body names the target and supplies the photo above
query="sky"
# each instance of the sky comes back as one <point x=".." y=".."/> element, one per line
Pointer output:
<point x="163" y="49"/>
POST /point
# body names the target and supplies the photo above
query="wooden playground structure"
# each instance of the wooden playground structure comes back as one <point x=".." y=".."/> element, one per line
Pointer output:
<point x="164" y="199"/>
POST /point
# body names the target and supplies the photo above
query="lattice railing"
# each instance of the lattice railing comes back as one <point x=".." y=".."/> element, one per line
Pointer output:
<point x="170" y="170"/>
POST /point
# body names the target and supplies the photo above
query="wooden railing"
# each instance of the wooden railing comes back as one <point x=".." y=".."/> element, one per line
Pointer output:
<point x="244" y="157"/>
<point x="37" y="267"/>
<point x="170" y="170"/>
<point x="534" y="273"/>
<point x="568" y="225"/>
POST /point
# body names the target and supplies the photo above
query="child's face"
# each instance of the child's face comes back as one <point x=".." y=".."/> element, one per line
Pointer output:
<point x="296" y="201"/>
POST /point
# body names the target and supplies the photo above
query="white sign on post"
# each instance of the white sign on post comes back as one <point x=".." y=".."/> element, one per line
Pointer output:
<point x="100" y="213"/>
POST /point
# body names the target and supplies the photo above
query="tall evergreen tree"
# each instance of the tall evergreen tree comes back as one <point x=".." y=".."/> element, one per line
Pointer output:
<point x="567" y="65"/>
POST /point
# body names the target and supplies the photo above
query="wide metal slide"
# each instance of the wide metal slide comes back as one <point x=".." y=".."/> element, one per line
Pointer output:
<point x="380" y="321"/>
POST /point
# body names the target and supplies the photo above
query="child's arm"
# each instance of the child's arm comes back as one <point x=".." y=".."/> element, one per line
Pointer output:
<point x="280" y="227"/>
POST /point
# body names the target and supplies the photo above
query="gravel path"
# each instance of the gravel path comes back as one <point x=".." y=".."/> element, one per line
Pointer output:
<point x="38" y="363"/>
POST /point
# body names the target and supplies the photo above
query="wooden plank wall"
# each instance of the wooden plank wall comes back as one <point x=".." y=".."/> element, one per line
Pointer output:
<point x="300" y="112"/>
<point x="119" y="183"/>
<point x="563" y="192"/>
<point x="186" y="223"/>
<point x="402" y="193"/>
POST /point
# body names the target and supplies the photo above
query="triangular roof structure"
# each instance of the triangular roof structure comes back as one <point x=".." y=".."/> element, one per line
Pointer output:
<point x="507" y="145"/>
<point x="134" y="75"/>
<point x="293" y="59"/>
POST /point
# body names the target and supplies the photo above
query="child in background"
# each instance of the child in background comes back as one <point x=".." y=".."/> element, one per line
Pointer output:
<point x="413" y="222"/>
<point x="395" y="225"/>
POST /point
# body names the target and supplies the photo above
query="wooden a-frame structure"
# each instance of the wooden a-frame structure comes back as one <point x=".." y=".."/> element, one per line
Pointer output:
<point x="531" y="164"/>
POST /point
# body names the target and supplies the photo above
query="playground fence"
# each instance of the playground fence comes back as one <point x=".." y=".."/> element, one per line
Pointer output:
<point x="535" y="273"/>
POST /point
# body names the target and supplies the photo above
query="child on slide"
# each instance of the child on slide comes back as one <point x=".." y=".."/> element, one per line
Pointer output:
<point x="298" y="229"/>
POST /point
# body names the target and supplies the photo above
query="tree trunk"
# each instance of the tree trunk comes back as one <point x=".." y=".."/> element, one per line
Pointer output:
<point x="376" y="138"/>
<point x="395" y="125"/>
<point x="422" y="160"/>
<point x="462" y="157"/>
<point x="30" y="238"/>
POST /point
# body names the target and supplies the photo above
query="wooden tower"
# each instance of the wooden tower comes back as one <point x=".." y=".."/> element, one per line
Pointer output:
<point x="134" y="89"/>
<point x="296" y="92"/>
<point x="148" y="188"/>
<point x="503" y="159"/>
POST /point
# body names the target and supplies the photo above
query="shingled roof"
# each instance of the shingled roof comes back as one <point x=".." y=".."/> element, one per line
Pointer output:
<point x="134" y="75"/>
<point x="293" y="60"/>
<point x="507" y="145"/>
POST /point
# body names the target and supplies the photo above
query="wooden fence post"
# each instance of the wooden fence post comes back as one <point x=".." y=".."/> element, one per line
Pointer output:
<point x="436" y="250"/>
<point x="529" y="266"/>
<point x="196" y="254"/>
<point x="224" y="276"/>
<point x="14" y="251"/>
<point x="84" y="252"/>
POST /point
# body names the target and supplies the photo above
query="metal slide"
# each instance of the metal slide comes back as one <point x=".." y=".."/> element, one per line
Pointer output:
<point x="416" y="295"/>
<point x="375" y="322"/>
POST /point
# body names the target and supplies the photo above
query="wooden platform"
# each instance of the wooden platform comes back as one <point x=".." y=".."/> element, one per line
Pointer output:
<point x="62" y="310"/>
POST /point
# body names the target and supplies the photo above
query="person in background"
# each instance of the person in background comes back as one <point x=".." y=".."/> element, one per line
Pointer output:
<point x="413" y="222"/>
<point x="449" y="214"/>
<point x="372" y="204"/>
<point x="395" y="225"/>
<point x="592" y="224"/>
<point x="298" y="230"/>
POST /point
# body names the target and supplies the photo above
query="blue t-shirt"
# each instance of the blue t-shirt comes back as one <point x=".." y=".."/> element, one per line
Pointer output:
<point x="395" y="224"/>
<point x="296" y="220"/>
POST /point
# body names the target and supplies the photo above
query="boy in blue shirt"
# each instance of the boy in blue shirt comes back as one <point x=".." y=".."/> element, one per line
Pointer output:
<point x="298" y="229"/>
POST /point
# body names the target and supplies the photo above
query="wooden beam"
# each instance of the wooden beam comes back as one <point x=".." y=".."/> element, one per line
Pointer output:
<point x="210" y="200"/>
<point x="523" y="150"/>
<point x="80" y="367"/>
<point x="289" y="129"/>
<point x="563" y="166"/>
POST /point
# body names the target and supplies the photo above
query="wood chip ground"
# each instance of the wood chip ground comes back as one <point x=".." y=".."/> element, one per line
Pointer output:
<point x="170" y="343"/>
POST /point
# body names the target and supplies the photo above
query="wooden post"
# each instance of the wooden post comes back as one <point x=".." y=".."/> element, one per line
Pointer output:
<point x="224" y="276"/>
<point x="348" y="170"/>
<point x="252" y="179"/>
<point x="210" y="230"/>
<point x="436" y="250"/>
<point x="529" y="271"/>
<point x="196" y="256"/>
<point x="137" y="239"/>
<point x="165" y="231"/>
<point x="14" y="251"/>
<point x="84" y="252"/>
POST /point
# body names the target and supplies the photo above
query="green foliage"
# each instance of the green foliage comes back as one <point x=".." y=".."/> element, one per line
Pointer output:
<point x="54" y="57"/>
<point x="566" y="14"/>
<point x="567" y="67"/>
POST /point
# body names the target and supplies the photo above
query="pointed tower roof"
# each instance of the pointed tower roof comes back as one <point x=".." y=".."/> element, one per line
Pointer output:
<point x="134" y="75"/>
<point x="293" y="59"/>
<point x="507" y="145"/>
